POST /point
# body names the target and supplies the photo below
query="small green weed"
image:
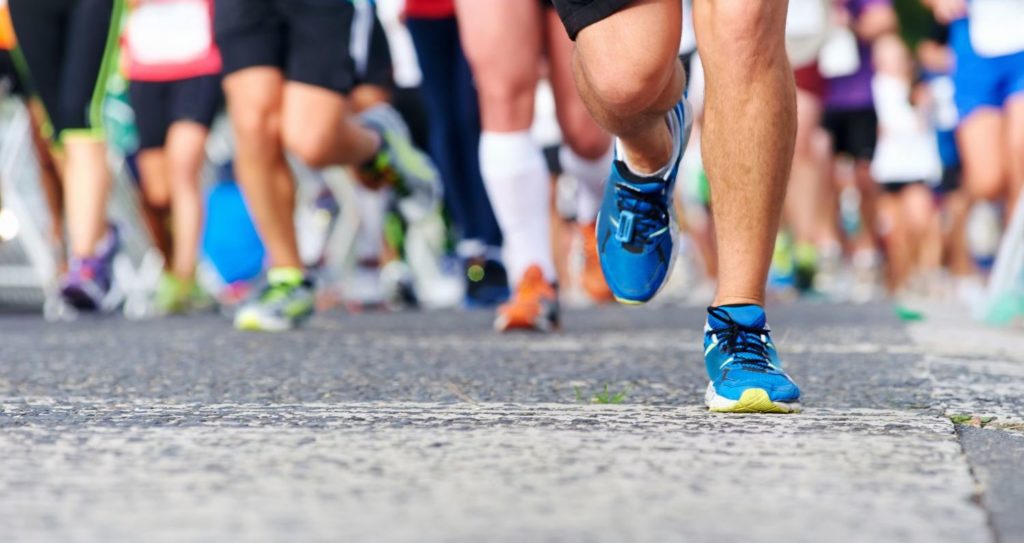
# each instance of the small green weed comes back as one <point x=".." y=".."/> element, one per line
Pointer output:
<point x="605" y="396"/>
<point x="971" y="420"/>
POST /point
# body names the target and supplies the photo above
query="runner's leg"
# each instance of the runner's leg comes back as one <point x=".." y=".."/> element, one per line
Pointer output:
<point x="750" y="92"/>
<point x="1015" y="152"/>
<point x="255" y="97"/>
<point x="511" y="164"/>
<point x="981" y="139"/>
<point x="513" y="168"/>
<point x="586" y="154"/>
<point x="186" y="141"/>
<point x="631" y="96"/>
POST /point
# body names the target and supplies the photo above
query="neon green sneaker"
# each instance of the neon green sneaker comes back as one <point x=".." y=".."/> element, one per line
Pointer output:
<point x="401" y="165"/>
<point x="284" y="303"/>
<point x="171" y="295"/>
<point x="175" y="296"/>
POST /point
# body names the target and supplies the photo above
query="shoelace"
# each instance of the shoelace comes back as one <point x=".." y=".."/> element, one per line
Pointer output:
<point x="648" y="208"/>
<point x="743" y="342"/>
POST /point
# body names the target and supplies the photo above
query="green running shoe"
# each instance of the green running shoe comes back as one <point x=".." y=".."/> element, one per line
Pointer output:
<point x="283" y="304"/>
<point x="401" y="165"/>
<point x="175" y="296"/>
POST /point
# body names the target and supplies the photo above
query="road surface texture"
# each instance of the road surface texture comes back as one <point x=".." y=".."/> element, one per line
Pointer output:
<point x="429" y="427"/>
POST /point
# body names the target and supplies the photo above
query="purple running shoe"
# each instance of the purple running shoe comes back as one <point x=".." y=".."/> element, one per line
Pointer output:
<point x="87" y="283"/>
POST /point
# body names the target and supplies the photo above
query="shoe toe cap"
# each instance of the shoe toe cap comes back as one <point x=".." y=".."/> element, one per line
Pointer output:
<point x="779" y="387"/>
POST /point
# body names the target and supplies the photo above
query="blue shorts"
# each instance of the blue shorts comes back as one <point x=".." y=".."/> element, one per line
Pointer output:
<point x="982" y="82"/>
<point x="948" y="151"/>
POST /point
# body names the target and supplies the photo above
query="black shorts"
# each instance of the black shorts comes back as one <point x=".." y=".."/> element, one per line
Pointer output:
<point x="70" y="50"/>
<point x="371" y="53"/>
<point x="854" y="132"/>
<point x="579" y="14"/>
<point x="897" y="187"/>
<point x="309" y="40"/>
<point x="158" y="105"/>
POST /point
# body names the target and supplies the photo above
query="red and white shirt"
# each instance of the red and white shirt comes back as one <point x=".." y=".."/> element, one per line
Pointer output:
<point x="170" y="40"/>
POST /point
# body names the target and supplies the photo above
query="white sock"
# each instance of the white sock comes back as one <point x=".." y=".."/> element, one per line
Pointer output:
<point x="590" y="175"/>
<point x="372" y="208"/>
<point x="517" y="182"/>
<point x="675" y="130"/>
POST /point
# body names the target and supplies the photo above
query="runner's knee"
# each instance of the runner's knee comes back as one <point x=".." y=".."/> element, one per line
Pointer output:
<point x="258" y="125"/>
<point x="584" y="137"/>
<point x="741" y="35"/>
<point x="985" y="182"/>
<point x="314" y="148"/>
<point x="634" y="82"/>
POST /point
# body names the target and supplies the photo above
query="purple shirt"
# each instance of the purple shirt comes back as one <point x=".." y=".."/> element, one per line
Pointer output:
<point x="854" y="91"/>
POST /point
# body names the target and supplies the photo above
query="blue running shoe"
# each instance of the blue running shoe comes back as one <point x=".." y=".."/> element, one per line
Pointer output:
<point x="636" y="227"/>
<point x="746" y="375"/>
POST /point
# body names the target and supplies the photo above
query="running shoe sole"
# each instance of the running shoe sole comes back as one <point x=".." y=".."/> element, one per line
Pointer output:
<point x="754" y="400"/>
<point x="256" y="323"/>
<point x="540" y="323"/>
<point x="79" y="299"/>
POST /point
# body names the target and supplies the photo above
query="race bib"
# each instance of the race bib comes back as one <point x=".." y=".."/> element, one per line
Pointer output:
<point x="170" y="32"/>
<point x="997" y="27"/>
<point x="840" y="55"/>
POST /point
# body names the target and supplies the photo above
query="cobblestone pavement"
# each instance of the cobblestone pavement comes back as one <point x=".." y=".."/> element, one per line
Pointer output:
<point x="427" y="427"/>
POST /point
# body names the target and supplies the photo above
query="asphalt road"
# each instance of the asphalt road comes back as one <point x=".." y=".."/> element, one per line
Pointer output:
<point x="428" y="427"/>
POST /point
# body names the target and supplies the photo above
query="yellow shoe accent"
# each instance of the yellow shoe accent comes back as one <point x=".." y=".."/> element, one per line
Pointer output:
<point x="248" y="323"/>
<point x="755" y="400"/>
<point x="624" y="301"/>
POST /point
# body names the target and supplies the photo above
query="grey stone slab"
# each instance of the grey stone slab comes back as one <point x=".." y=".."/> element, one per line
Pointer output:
<point x="997" y="458"/>
<point x="986" y="388"/>
<point x="104" y="470"/>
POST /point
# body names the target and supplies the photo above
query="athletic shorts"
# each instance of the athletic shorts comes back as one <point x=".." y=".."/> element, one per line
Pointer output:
<point x="69" y="48"/>
<point x="371" y="53"/>
<point x="579" y="14"/>
<point x="158" y="105"/>
<point x="952" y="177"/>
<point x="982" y="81"/>
<point x="896" y="187"/>
<point x="308" y="40"/>
<point x="854" y="132"/>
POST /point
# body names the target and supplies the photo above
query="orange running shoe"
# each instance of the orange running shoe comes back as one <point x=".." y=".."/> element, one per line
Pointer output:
<point x="592" y="277"/>
<point x="534" y="305"/>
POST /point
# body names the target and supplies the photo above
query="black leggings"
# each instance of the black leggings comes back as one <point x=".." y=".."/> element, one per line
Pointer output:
<point x="70" y="49"/>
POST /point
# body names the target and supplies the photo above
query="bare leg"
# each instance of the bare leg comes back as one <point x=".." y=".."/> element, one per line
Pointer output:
<point x="364" y="97"/>
<point x="254" y="97"/>
<point x="582" y="134"/>
<point x="185" y="146"/>
<point x="1015" y="126"/>
<point x="805" y="199"/>
<point x="506" y="82"/>
<point x="319" y="129"/>
<point x="981" y="139"/>
<point x="631" y="96"/>
<point x="87" y="183"/>
<point x="156" y="199"/>
<point x="868" y="190"/>
<point x="512" y="166"/>
<point x="750" y="92"/>
<point x="49" y="174"/>
<point x="895" y="235"/>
